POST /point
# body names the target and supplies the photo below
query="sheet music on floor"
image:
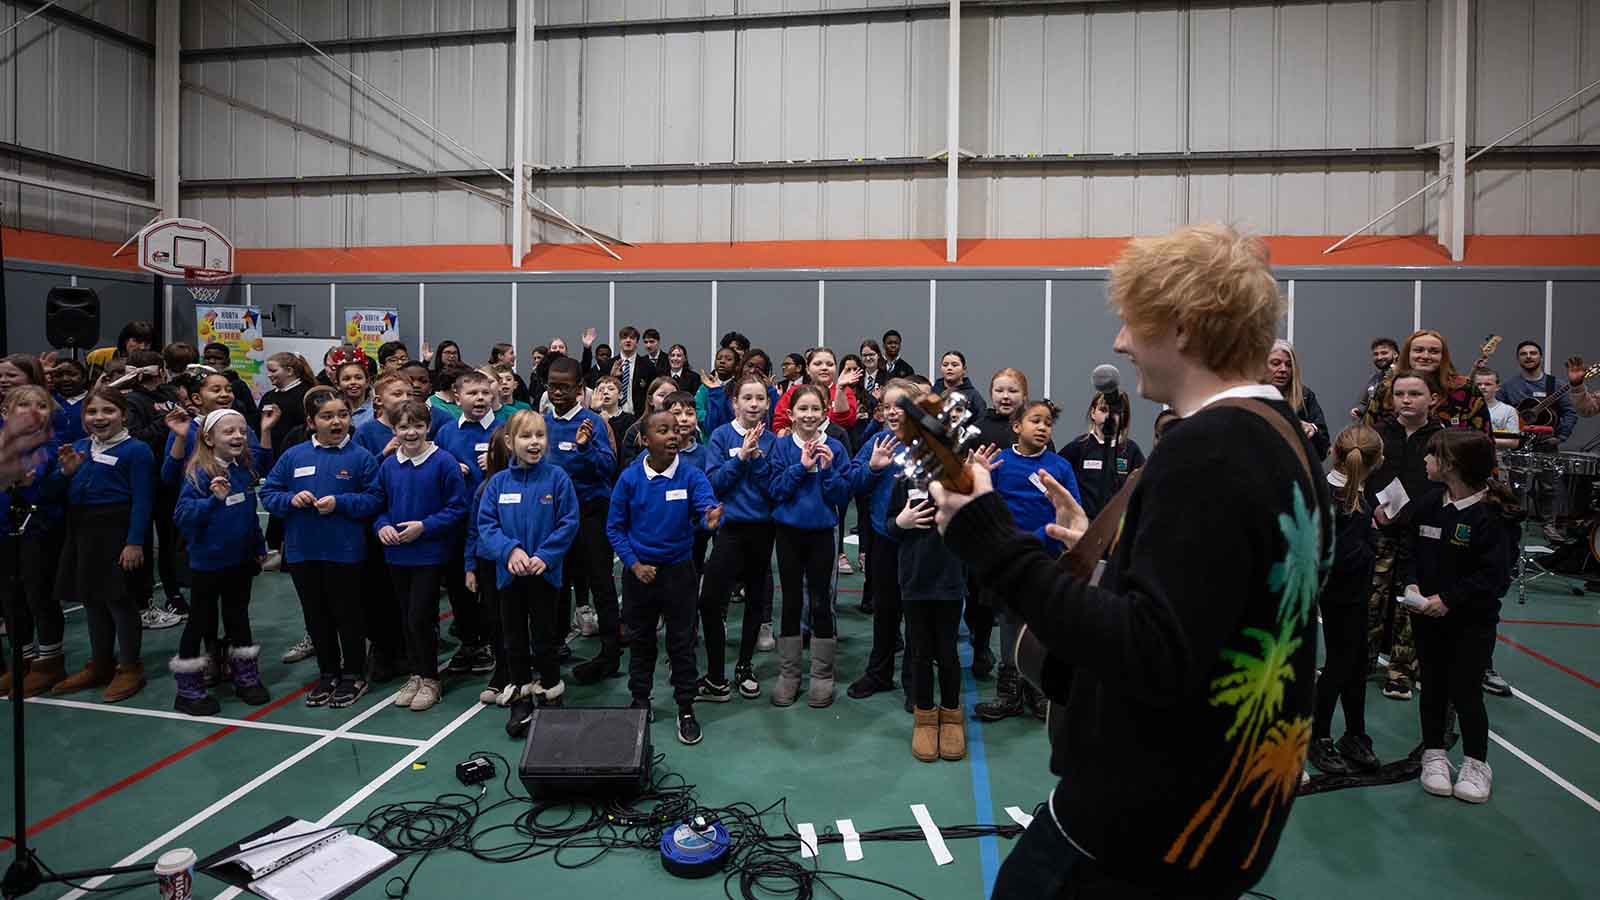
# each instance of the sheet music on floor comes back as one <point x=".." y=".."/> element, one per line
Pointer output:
<point x="302" y="861"/>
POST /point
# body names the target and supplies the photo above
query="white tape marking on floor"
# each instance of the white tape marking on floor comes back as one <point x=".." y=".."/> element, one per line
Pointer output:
<point x="72" y="609"/>
<point x="165" y="840"/>
<point x="1523" y="696"/>
<point x="930" y="833"/>
<point x="1545" y="770"/>
<point x="808" y="840"/>
<point x="1018" y="816"/>
<point x="223" y="720"/>
<point x="852" y="840"/>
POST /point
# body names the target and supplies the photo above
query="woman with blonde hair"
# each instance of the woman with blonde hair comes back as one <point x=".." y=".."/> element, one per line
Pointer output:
<point x="1283" y="372"/>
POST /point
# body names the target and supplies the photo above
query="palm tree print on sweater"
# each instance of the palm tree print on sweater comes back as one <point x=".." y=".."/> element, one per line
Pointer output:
<point x="1270" y="750"/>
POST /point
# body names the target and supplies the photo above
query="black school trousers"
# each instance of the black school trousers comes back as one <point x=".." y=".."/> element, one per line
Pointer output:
<point x="1453" y="656"/>
<point x="1344" y="669"/>
<point x="35" y="620"/>
<point x="590" y="559"/>
<point x="531" y="607"/>
<point x="805" y="569"/>
<point x="883" y="575"/>
<point x="330" y="600"/>
<point x="671" y="596"/>
<point x="381" y="607"/>
<point x="219" y="595"/>
<point x="89" y="571"/>
<point x="742" y="552"/>
<point x="416" y="592"/>
<point x="932" y="624"/>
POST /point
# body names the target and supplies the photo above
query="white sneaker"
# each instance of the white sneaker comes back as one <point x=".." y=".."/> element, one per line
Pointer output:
<point x="408" y="691"/>
<point x="274" y="561"/>
<point x="765" y="641"/>
<point x="1436" y="773"/>
<point x="588" y="621"/>
<point x="844" y="565"/>
<point x="154" y="618"/>
<point x="427" y="694"/>
<point x="302" y="649"/>
<point x="1475" y="781"/>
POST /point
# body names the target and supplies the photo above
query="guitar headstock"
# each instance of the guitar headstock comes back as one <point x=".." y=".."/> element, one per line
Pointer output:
<point x="936" y="437"/>
<point x="1490" y="345"/>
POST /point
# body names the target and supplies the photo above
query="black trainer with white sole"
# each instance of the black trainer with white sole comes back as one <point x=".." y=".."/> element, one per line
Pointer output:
<point x="348" y="692"/>
<point x="712" y="692"/>
<point x="323" y="692"/>
<point x="688" y="728"/>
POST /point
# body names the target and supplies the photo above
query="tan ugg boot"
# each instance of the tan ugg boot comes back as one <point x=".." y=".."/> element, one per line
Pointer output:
<point x="128" y="681"/>
<point x="925" y="734"/>
<point x="952" y="734"/>
<point x="95" y="673"/>
<point x="44" y="674"/>
<point x="6" y="679"/>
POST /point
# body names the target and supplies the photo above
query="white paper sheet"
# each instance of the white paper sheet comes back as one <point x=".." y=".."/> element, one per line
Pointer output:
<point x="326" y="872"/>
<point x="1393" y="498"/>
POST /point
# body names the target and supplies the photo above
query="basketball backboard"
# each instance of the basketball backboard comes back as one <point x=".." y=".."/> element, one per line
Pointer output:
<point x="185" y="248"/>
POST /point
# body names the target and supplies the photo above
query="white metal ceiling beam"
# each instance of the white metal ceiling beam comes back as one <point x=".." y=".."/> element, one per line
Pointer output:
<point x="167" y="120"/>
<point x="64" y="188"/>
<point x="519" y="142"/>
<point x="952" y="141"/>
<point x="1461" y="46"/>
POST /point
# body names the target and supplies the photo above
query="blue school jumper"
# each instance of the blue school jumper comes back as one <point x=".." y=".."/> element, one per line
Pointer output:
<point x="1017" y="481"/>
<point x="654" y="514"/>
<point x="427" y="489"/>
<point x="373" y="436"/>
<point x="47" y="493"/>
<point x="803" y="498"/>
<point x="466" y="439"/>
<point x="68" y="420"/>
<point x="122" y="472"/>
<point x="172" y="469"/>
<point x="345" y="472"/>
<point x="713" y="408"/>
<point x="533" y="507"/>
<point x="221" y="533"/>
<point x="437" y="419"/>
<point x="879" y="485"/>
<point x="592" y="466"/>
<point x="741" y="484"/>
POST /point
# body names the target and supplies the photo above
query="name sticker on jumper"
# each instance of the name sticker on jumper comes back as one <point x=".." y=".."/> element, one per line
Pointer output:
<point x="105" y="459"/>
<point x="510" y="498"/>
<point x="916" y="494"/>
<point x="733" y="451"/>
<point x="567" y="446"/>
<point x="234" y="499"/>
<point x="1094" y="464"/>
<point x="678" y="494"/>
<point x="1431" y="532"/>
<point x="1037" y="482"/>
<point x="481" y="448"/>
<point x="303" y="471"/>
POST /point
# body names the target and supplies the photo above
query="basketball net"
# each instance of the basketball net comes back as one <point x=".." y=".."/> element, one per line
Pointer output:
<point x="203" y="283"/>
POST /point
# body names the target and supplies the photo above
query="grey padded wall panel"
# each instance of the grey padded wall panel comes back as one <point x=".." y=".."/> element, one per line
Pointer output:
<point x="1466" y="312"/>
<point x="1082" y="331"/>
<point x="1334" y="324"/>
<point x="777" y="316"/>
<point x="680" y="310"/>
<point x="25" y="293"/>
<point x="309" y="299"/>
<point x="1575" y="331"/>
<point x="862" y="309"/>
<point x="563" y="309"/>
<point x="474" y="314"/>
<point x="992" y="323"/>
<point x="400" y="295"/>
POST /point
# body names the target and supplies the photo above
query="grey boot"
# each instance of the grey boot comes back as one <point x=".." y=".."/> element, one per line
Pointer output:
<point x="787" y="685"/>
<point x="820" y="693"/>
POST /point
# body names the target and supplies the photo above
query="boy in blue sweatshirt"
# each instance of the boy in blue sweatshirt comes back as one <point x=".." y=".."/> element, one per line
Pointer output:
<point x="386" y="653"/>
<point x="420" y="530"/>
<point x="389" y="396"/>
<point x="580" y="446"/>
<point x="71" y="382"/>
<point x="693" y="452"/>
<point x="654" y="511"/>
<point x="326" y="490"/>
<point x="526" y="520"/>
<point x="467" y="439"/>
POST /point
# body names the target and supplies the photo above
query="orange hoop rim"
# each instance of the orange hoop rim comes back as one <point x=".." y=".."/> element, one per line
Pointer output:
<point x="201" y="274"/>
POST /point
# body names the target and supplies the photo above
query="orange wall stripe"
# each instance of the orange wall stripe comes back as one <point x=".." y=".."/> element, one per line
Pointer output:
<point x="1417" y="250"/>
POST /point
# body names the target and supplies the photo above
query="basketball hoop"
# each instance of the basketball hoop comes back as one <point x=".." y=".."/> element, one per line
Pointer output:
<point x="206" y="275"/>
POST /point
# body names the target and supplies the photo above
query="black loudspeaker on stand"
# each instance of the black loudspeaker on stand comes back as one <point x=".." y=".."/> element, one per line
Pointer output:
<point x="25" y="874"/>
<point x="72" y="318"/>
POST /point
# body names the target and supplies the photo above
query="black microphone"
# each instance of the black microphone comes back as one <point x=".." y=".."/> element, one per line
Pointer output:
<point x="1106" y="379"/>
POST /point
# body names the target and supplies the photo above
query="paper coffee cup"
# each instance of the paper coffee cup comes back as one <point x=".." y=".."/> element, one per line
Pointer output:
<point x="175" y="874"/>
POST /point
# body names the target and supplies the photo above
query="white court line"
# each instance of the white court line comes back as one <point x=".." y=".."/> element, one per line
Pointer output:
<point x="1545" y="770"/>
<point x="165" y="840"/>
<point x="1523" y="696"/>
<point x="372" y="786"/>
<point x="72" y="609"/>
<point x="222" y="720"/>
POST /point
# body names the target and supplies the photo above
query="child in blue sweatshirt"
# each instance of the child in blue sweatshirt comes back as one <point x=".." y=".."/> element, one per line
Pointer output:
<point x="35" y="621"/>
<point x="467" y="439"/>
<point x="376" y="435"/>
<point x="580" y="446"/>
<point x="425" y="501"/>
<point x="216" y="514"/>
<point x="654" y="511"/>
<point x="714" y="400"/>
<point x="810" y="481"/>
<point x="1019" y="473"/>
<point x="326" y="490"/>
<point x="527" y="518"/>
<point x="872" y="475"/>
<point x="386" y="652"/>
<point x="693" y="452"/>
<point x="109" y="502"/>
<point x="71" y="382"/>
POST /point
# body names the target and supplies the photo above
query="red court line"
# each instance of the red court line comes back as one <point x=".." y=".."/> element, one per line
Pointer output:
<point x="1549" y="662"/>
<point x="1551" y="622"/>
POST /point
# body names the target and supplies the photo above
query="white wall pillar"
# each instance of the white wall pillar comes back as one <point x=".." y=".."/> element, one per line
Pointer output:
<point x="167" y="77"/>
<point x="952" y="141"/>
<point x="519" y="155"/>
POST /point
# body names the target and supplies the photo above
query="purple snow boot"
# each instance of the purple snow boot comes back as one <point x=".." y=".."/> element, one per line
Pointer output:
<point x="193" y="698"/>
<point x="247" y="675"/>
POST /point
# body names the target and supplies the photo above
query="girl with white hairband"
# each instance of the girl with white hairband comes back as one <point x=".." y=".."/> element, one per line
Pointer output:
<point x="216" y="513"/>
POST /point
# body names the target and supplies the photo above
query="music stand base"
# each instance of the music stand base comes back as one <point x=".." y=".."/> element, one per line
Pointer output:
<point x="22" y="877"/>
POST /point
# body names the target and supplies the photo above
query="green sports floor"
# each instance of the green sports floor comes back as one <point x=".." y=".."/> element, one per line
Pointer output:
<point x="120" y="784"/>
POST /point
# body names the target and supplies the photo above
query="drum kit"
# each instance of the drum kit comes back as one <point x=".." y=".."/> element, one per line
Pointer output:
<point x="1556" y="489"/>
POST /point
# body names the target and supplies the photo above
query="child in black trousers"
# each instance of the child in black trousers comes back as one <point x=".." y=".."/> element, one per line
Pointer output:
<point x="932" y="582"/>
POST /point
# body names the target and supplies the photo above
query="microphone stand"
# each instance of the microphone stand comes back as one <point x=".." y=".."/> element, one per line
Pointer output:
<point x="24" y="875"/>
<point x="1109" y="431"/>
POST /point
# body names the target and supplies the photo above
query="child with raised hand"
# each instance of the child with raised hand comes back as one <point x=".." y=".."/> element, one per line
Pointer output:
<point x="1357" y="454"/>
<point x="693" y="452"/>
<point x="326" y="490"/>
<point x="526" y="519"/>
<point x="810" y="481"/>
<point x="932" y="582"/>
<point x="390" y="394"/>
<point x="212" y="392"/>
<point x="420" y="527"/>
<point x="655" y="509"/>
<point x="467" y="440"/>
<point x="1461" y="567"/>
<point x="216" y="513"/>
<point x="34" y="619"/>
<point x="1087" y="452"/>
<point x="738" y="460"/>
<point x="1023" y="475"/>
<point x="713" y="403"/>
<point x="872" y="481"/>
<point x="110" y="496"/>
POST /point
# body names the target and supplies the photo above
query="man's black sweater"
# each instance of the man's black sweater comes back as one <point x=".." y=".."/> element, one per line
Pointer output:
<point x="1190" y="708"/>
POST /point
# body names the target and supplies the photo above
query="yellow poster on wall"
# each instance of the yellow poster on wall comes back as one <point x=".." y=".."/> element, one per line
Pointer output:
<point x="239" y="329"/>
<point x="371" y="327"/>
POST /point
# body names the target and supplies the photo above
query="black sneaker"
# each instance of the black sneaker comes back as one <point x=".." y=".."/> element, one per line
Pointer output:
<point x="982" y="662"/>
<point x="598" y="668"/>
<point x="1357" y="750"/>
<point x="1326" y="757"/>
<point x="1494" y="684"/>
<point x="1397" y="689"/>
<point x="348" y="692"/>
<point x="688" y="728"/>
<point x="644" y="704"/>
<point x="712" y="692"/>
<point x="745" y="677"/>
<point x="866" y="686"/>
<point x="463" y="661"/>
<point x="482" y="659"/>
<point x="323" y="692"/>
<point x="521" y="714"/>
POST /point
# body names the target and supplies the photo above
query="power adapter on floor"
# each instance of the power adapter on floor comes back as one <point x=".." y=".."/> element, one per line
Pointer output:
<point x="476" y="770"/>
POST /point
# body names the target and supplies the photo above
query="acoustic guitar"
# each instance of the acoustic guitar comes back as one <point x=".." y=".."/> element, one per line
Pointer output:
<point x="1542" y="412"/>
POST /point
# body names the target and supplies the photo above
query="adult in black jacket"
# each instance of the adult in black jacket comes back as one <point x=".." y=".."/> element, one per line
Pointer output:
<point x="1283" y="372"/>
<point x="1175" y="779"/>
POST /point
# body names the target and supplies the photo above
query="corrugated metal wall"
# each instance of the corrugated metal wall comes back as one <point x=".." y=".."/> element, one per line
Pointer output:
<point x="74" y="94"/>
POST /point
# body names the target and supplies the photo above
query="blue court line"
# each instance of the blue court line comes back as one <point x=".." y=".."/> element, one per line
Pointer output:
<point x="988" y="845"/>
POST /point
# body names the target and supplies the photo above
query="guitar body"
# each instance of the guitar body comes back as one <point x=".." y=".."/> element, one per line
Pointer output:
<point x="1536" y="413"/>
